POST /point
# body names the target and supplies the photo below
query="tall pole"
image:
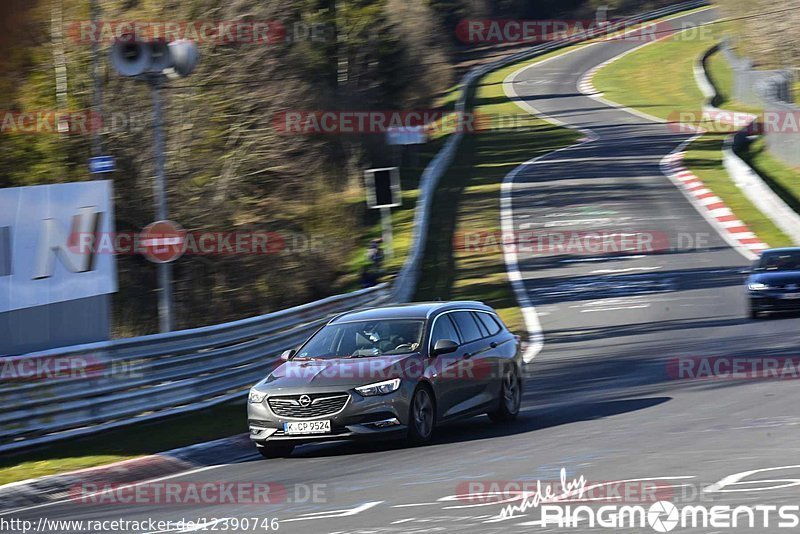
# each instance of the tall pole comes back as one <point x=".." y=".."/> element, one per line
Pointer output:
<point x="182" y="57"/>
<point x="388" y="235"/>
<point x="165" y="318"/>
<point x="97" y="97"/>
<point x="60" y="64"/>
<point x="341" y="44"/>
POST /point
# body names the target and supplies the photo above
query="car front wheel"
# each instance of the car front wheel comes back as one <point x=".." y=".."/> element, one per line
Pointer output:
<point x="754" y="311"/>
<point x="422" y="416"/>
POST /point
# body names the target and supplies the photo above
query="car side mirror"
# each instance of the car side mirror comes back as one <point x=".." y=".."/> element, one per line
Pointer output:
<point x="287" y="354"/>
<point x="444" y="346"/>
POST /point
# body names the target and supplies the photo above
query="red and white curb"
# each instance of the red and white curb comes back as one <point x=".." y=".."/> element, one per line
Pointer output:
<point x="710" y="205"/>
<point x="585" y="85"/>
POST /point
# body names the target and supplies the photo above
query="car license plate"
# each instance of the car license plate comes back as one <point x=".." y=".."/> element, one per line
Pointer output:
<point x="307" y="427"/>
<point x="791" y="295"/>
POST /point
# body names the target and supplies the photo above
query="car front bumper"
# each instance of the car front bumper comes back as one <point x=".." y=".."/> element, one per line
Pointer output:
<point x="775" y="301"/>
<point x="362" y="417"/>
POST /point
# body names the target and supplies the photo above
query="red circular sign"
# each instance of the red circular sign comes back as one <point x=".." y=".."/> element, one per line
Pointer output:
<point x="162" y="241"/>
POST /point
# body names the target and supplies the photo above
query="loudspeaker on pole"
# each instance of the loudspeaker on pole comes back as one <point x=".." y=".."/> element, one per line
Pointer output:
<point x="133" y="58"/>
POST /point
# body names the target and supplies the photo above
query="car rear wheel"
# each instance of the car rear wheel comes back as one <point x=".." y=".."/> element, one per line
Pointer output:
<point x="510" y="398"/>
<point x="422" y="416"/>
<point x="276" y="450"/>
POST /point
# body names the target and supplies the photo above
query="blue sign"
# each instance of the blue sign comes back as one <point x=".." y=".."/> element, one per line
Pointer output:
<point x="101" y="164"/>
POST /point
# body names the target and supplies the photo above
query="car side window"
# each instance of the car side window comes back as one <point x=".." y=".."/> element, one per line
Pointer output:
<point x="443" y="329"/>
<point x="481" y="326"/>
<point x="490" y="323"/>
<point x="467" y="326"/>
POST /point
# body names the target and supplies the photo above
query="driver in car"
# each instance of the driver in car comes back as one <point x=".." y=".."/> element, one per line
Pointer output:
<point x="388" y="337"/>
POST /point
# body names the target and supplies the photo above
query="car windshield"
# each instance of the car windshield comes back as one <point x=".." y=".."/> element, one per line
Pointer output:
<point x="364" y="339"/>
<point x="779" y="261"/>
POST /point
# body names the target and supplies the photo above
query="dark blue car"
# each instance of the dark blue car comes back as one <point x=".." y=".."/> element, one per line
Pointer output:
<point x="774" y="282"/>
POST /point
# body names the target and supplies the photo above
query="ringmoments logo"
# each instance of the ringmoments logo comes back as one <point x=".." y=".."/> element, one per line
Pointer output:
<point x="567" y="504"/>
<point x="664" y="516"/>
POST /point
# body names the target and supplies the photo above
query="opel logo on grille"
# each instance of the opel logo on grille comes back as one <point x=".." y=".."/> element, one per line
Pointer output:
<point x="304" y="400"/>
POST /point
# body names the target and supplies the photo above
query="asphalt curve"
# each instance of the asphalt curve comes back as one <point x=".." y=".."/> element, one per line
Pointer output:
<point x="600" y="400"/>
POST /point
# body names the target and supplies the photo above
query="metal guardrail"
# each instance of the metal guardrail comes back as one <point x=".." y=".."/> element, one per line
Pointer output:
<point x="770" y="90"/>
<point x="125" y="381"/>
<point x="755" y="188"/>
<point x="139" y="379"/>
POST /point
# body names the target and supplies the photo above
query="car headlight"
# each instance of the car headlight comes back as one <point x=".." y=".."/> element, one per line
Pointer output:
<point x="379" y="388"/>
<point x="757" y="286"/>
<point x="256" y="397"/>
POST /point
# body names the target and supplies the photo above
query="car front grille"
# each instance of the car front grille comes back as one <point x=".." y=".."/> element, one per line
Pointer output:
<point x="318" y="405"/>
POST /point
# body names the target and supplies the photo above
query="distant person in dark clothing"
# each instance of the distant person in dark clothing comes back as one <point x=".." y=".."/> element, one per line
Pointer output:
<point x="375" y="254"/>
<point x="367" y="277"/>
<point x="372" y="272"/>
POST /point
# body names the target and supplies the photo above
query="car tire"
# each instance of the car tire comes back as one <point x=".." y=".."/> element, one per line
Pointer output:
<point x="276" y="450"/>
<point x="754" y="312"/>
<point x="510" y="398"/>
<point x="421" y="416"/>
